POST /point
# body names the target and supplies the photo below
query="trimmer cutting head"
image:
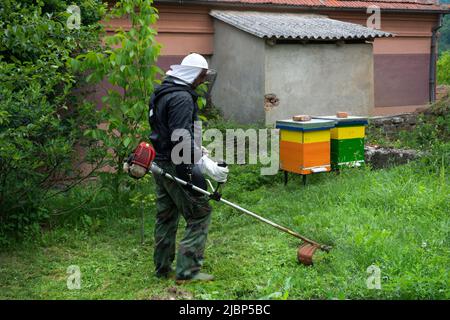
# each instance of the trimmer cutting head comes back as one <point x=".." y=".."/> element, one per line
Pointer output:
<point x="305" y="253"/>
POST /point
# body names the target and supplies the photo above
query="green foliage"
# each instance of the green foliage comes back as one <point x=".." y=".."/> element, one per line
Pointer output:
<point x="431" y="131"/>
<point x="39" y="122"/>
<point x="128" y="62"/>
<point x="444" y="31"/>
<point x="443" y="68"/>
<point x="201" y="91"/>
<point x="210" y="113"/>
<point x="396" y="219"/>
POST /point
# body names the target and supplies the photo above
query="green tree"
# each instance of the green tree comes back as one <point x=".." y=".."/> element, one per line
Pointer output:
<point x="444" y="34"/>
<point x="443" y="68"/>
<point x="40" y="122"/>
<point x="128" y="62"/>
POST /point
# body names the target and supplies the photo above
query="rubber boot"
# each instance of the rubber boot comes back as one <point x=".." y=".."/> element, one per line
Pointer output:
<point x="198" y="277"/>
<point x="166" y="275"/>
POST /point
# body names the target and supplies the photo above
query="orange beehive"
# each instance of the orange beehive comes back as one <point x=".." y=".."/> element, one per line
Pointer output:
<point x="305" y="146"/>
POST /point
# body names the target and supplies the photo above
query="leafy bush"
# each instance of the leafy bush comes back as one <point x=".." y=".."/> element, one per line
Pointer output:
<point x="40" y="123"/>
<point x="431" y="130"/>
<point x="443" y="68"/>
<point x="444" y="31"/>
<point x="128" y="62"/>
<point x="433" y="127"/>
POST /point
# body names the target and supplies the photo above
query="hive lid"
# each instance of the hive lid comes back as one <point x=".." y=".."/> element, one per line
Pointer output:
<point x="343" y="121"/>
<point x="313" y="124"/>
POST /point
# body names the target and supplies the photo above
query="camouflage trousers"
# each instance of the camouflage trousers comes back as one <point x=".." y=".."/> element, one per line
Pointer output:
<point x="173" y="200"/>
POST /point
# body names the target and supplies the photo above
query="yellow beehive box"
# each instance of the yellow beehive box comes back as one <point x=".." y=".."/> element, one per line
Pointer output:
<point x="305" y="137"/>
<point x="348" y="132"/>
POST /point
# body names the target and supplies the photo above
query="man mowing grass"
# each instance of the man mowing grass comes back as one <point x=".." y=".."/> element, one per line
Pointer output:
<point x="173" y="110"/>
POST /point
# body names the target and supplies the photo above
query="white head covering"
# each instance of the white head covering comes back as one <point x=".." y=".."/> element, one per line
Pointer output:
<point x="185" y="73"/>
<point x="189" y="69"/>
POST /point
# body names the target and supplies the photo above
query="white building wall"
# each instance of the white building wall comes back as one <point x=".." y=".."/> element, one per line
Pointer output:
<point x="319" y="79"/>
<point x="239" y="87"/>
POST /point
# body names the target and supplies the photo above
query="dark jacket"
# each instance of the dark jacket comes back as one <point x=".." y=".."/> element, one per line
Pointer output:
<point x="173" y="106"/>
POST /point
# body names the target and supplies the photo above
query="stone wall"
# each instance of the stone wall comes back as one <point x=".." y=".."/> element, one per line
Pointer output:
<point x="387" y="157"/>
<point x="394" y="124"/>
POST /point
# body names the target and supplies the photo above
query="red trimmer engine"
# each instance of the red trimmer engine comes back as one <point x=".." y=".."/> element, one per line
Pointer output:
<point x="140" y="161"/>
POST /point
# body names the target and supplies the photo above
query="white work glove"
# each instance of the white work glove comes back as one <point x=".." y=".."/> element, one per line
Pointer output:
<point x="205" y="151"/>
<point x="212" y="169"/>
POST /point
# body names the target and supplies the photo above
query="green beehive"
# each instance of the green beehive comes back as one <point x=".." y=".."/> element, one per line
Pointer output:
<point x="347" y="141"/>
<point x="346" y="151"/>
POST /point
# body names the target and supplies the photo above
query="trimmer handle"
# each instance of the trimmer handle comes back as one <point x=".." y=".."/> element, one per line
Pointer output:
<point x="222" y="164"/>
<point x="216" y="194"/>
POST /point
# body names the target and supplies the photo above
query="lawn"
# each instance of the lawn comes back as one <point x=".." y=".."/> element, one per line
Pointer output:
<point x="396" y="219"/>
<point x="393" y="220"/>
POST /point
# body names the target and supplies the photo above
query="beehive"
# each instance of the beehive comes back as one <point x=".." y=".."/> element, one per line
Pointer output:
<point x="347" y="141"/>
<point x="305" y="145"/>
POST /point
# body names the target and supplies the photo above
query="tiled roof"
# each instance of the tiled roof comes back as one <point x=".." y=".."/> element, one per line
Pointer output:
<point x="296" y="26"/>
<point x="422" y="5"/>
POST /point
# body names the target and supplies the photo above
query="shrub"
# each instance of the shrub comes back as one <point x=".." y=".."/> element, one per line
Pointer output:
<point x="128" y="62"/>
<point x="40" y="123"/>
<point x="432" y="129"/>
<point x="443" y="68"/>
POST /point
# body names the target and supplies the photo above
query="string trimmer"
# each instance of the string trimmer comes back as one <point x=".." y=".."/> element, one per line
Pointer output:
<point x="141" y="162"/>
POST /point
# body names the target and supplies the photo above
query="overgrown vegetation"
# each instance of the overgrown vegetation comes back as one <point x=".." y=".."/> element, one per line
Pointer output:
<point x="443" y="64"/>
<point x="43" y="126"/>
<point x="444" y="32"/>
<point x="39" y="125"/>
<point x="432" y="130"/>
<point x="128" y="62"/>
<point x="396" y="219"/>
<point x="443" y="68"/>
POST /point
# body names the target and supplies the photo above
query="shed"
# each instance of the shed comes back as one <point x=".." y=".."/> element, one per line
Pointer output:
<point x="272" y="66"/>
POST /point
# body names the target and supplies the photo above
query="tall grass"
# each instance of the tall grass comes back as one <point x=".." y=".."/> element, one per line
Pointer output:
<point x="396" y="219"/>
